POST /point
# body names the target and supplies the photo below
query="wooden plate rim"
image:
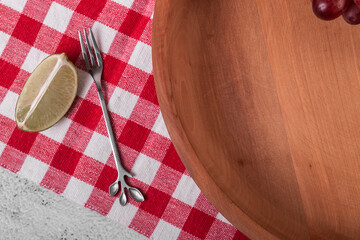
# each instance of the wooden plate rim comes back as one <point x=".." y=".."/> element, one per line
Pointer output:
<point x="182" y="145"/>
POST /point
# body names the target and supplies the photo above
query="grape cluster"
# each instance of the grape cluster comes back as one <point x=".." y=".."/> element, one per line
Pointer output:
<point x="331" y="9"/>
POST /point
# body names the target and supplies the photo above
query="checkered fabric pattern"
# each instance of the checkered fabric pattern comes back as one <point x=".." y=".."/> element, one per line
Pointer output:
<point x="74" y="158"/>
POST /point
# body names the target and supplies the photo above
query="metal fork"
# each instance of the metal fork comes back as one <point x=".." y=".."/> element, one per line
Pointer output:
<point x="95" y="68"/>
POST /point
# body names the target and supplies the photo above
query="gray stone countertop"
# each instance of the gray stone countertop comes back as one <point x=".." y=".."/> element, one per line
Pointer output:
<point x="29" y="211"/>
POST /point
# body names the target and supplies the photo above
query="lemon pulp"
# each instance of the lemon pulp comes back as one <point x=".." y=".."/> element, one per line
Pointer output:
<point x="47" y="94"/>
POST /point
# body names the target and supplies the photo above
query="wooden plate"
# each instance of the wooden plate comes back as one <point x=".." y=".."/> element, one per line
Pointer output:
<point x="262" y="102"/>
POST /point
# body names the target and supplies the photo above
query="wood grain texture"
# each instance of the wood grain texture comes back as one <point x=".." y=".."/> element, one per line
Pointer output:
<point x="262" y="102"/>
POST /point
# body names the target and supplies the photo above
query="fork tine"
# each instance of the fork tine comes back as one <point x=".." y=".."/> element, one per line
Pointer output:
<point x="96" y="49"/>
<point x="83" y="51"/>
<point x="89" y="49"/>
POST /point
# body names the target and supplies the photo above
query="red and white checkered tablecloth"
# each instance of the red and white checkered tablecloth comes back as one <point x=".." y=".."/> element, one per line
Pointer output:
<point x="74" y="158"/>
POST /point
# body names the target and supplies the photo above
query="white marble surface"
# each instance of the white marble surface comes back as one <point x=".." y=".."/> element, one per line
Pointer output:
<point x="28" y="211"/>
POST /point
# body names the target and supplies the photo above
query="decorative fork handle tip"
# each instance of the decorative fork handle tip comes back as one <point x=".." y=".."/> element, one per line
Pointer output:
<point x="134" y="193"/>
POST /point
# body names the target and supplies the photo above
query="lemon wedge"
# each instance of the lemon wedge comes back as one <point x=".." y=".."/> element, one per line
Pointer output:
<point x="47" y="95"/>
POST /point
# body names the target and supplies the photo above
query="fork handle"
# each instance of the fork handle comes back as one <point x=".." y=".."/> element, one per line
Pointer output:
<point x="121" y="170"/>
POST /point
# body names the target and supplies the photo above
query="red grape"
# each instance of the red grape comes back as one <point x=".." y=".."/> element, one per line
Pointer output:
<point x="352" y="14"/>
<point x="357" y="2"/>
<point x="329" y="9"/>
